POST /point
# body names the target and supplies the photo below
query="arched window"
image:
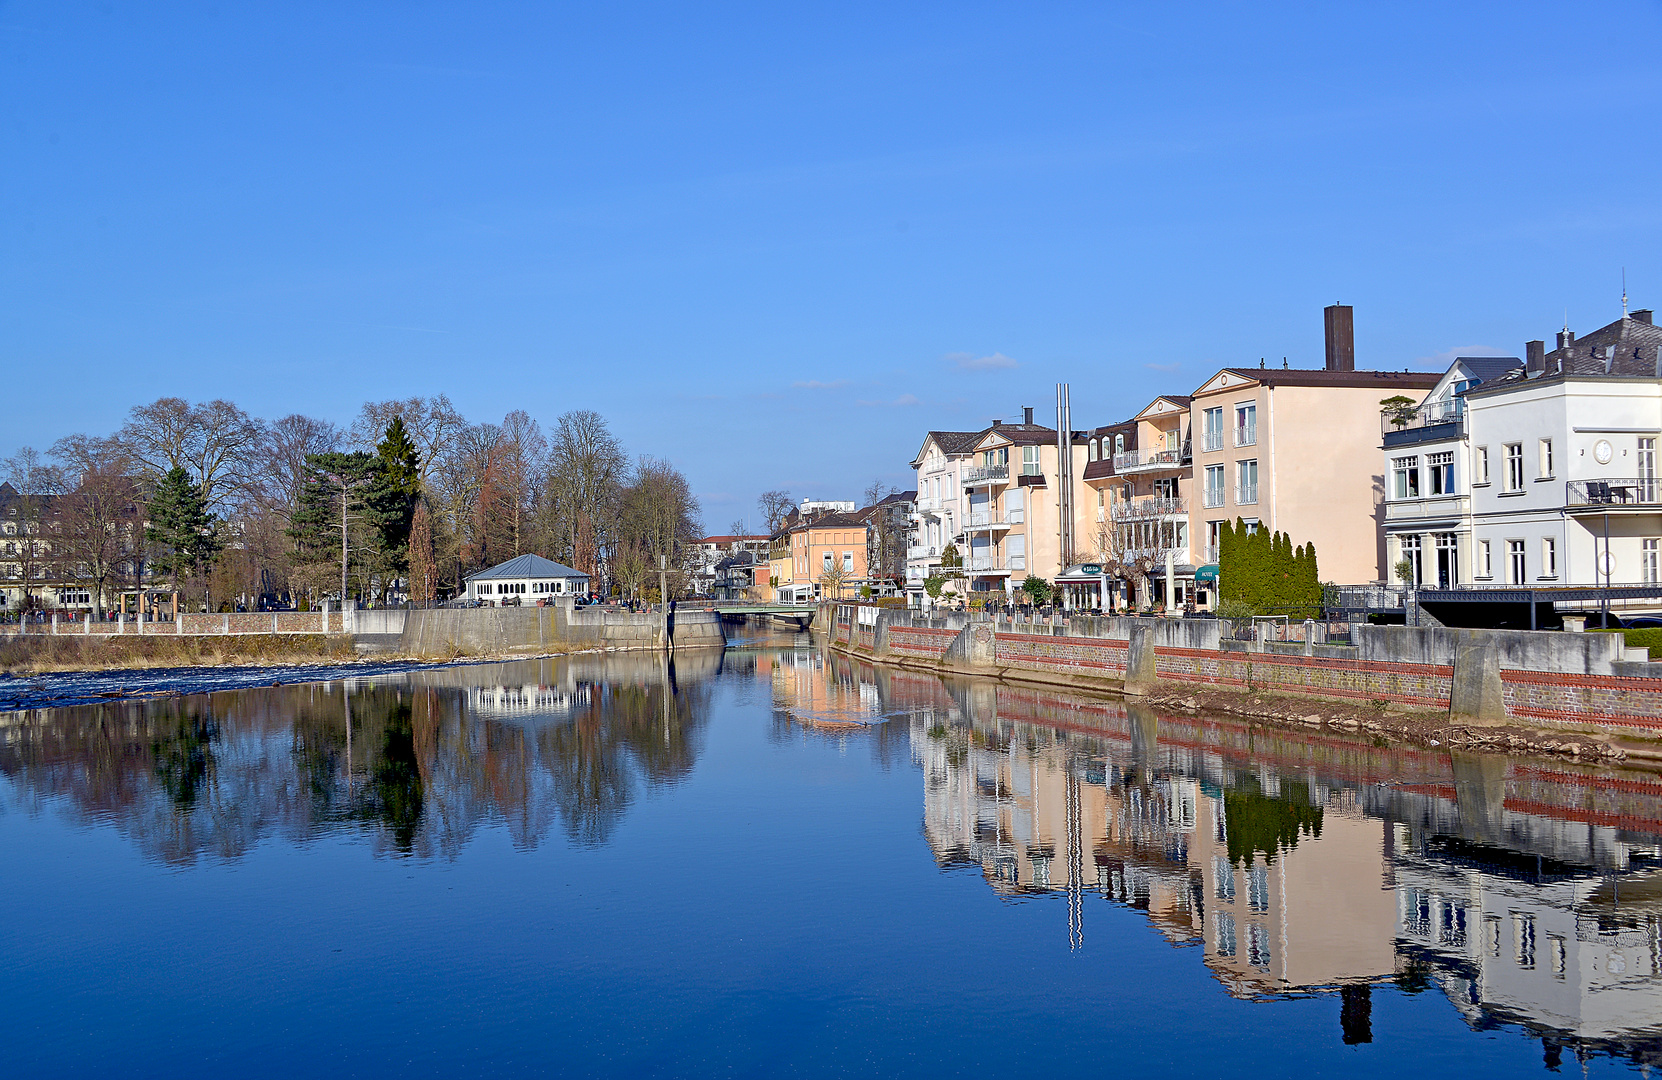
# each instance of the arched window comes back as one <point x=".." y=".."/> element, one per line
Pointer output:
<point x="1119" y="444"/>
<point x="1093" y="449"/>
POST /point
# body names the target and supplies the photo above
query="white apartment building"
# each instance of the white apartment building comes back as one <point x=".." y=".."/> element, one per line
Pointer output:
<point x="1428" y="519"/>
<point x="1563" y="462"/>
<point x="939" y="513"/>
<point x="1537" y="475"/>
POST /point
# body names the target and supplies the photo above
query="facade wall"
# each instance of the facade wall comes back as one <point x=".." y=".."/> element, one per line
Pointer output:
<point x="1577" y="415"/>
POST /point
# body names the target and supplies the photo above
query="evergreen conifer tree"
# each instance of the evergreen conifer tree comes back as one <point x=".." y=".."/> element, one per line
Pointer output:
<point x="181" y="524"/>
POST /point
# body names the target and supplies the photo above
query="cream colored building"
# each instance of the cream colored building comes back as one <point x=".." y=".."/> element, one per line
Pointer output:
<point x="1013" y="523"/>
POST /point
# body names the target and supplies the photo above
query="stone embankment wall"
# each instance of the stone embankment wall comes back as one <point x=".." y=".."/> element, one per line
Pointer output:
<point x="200" y="625"/>
<point x="559" y="627"/>
<point x="1577" y="681"/>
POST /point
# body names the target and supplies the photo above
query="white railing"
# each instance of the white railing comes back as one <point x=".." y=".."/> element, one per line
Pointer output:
<point x="1247" y="435"/>
<point x="1212" y="440"/>
<point x="986" y="474"/>
<point x="921" y="551"/>
<point x="1214" y="497"/>
<point x="1132" y="460"/>
<point x="928" y="502"/>
<point x="1246" y="494"/>
<point x="1152" y="507"/>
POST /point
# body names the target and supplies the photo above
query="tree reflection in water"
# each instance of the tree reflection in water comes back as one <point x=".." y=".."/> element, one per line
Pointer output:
<point x="421" y="762"/>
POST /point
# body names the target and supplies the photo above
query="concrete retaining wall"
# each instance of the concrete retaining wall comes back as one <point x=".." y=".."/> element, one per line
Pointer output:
<point x="1578" y="681"/>
<point x="449" y="631"/>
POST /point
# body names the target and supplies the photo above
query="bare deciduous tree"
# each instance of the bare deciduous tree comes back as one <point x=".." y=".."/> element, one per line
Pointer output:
<point x="775" y="504"/>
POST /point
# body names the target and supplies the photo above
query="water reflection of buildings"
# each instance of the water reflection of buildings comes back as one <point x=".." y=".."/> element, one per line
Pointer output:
<point x="1529" y="896"/>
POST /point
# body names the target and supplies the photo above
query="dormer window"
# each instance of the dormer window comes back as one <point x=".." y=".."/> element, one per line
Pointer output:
<point x="1093" y="450"/>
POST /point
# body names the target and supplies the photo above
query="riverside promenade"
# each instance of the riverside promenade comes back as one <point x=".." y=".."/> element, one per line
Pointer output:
<point x="1586" y="684"/>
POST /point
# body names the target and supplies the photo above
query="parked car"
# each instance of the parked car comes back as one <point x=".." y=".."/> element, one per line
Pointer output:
<point x="1644" y="622"/>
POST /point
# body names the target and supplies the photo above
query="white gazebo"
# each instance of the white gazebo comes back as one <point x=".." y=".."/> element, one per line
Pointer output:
<point x="526" y="579"/>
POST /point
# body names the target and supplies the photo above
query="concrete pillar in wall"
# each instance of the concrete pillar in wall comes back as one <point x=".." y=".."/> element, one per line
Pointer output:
<point x="1309" y="637"/>
<point x="1140" y="672"/>
<point x="1476" y="696"/>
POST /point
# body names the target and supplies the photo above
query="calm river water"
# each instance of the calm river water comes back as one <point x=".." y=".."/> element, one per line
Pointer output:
<point x="776" y="862"/>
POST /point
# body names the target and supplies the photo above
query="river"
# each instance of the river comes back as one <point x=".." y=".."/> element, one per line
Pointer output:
<point x="777" y="862"/>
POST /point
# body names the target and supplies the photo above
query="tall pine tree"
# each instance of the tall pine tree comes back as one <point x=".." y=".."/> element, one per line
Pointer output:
<point x="179" y="522"/>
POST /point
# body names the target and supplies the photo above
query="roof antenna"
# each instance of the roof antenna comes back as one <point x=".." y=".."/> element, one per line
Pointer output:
<point x="1283" y="363"/>
<point x="1260" y="361"/>
<point x="1624" y="292"/>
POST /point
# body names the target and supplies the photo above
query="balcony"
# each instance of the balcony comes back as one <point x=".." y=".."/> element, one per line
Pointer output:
<point x="1154" y="507"/>
<point x="1246" y="435"/>
<point x="1434" y="507"/>
<point x="1213" y="498"/>
<point x="986" y="474"/>
<point x="1138" y="461"/>
<point x="1433" y="423"/>
<point x="1246" y="494"/>
<point x="1211" y="440"/>
<point x="1614" y="494"/>
<point x="922" y="551"/>
<point x="929" y="504"/>
<point x="1209" y="554"/>
<point x="1155" y="556"/>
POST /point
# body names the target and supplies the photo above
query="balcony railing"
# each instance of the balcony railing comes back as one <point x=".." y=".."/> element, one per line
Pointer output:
<point x="1213" y="497"/>
<point x="1246" y="435"/>
<point x="1138" y="509"/>
<point x="1246" y="494"/>
<point x="1616" y="492"/>
<point x="1139" y="460"/>
<point x="987" y="474"/>
<point x="1212" y="440"/>
<point x="1209" y="554"/>
<point x="928" y="503"/>
<point x="1439" y="420"/>
<point x="922" y="551"/>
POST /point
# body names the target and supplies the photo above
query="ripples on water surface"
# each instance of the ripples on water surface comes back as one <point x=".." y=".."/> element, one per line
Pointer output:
<point x="772" y="862"/>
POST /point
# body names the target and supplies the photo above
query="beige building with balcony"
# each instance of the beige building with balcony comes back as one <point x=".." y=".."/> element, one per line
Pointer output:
<point x="1015" y="487"/>
<point x="1137" y="523"/>
<point x="1296" y="450"/>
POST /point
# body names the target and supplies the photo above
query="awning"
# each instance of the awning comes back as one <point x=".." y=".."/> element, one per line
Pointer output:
<point x="1209" y="572"/>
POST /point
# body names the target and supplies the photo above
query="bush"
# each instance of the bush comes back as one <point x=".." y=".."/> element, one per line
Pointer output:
<point x="1235" y="609"/>
<point x="1649" y="637"/>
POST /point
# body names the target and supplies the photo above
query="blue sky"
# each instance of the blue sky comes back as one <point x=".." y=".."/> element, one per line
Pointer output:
<point x="776" y="243"/>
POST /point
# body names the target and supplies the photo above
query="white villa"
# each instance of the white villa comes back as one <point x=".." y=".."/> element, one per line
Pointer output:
<point x="526" y="580"/>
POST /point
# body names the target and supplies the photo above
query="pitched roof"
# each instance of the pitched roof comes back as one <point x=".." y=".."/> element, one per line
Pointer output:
<point x="731" y="539"/>
<point x="830" y="521"/>
<point x="528" y="566"/>
<point x="1631" y="345"/>
<point x="1384" y="380"/>
<point x="900" y="496"/>
<point x="950" y="442"/>
<point x="1487" y="368"/>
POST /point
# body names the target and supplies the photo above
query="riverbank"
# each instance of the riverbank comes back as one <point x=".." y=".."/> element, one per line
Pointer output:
<point x="1563" y="695"/>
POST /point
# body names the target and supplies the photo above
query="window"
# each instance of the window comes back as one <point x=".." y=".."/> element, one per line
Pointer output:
<point x="1485" y="564"/>
<point x="1214" y="485"/>
<point x="1439" y="473"/>
<point x="1213" y="529"/>
<point x="1258" y="946"/>
<point x="1246" y="425"/>
<point x="1648" y="491"/>
<point x="1223" y="873"/>
<point x="1480" y="466"/>
<point x="1515" y="569"/>
<point x="1093" y="449"/>
<point x="1514" y="466"/>
<point x="1546" y="460"/>
<point x="848" y="562"/>
<point x="1549" y="557"/>
<point x="1246" y="482"/>
<point x="1410" y="548"/>
<point x="1119" y="444"/>
<point x="1226" y="934"/>
<point x="1212" y="429"/>
<point x="1648" y="561"/>
<point x="1523" y="938"/>
<point x="825" y="561"/>
<point x="1030" y="461"/>
<point x="1258" y="888"/>
<point x="1407" y="472"/>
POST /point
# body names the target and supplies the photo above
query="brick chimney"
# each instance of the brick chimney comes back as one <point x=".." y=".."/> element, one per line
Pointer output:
<point x="1027" y="415"/>
<point x="1642" y="315"/>
<point x="1341" y="337"/>
<point x="1535" y="357"/>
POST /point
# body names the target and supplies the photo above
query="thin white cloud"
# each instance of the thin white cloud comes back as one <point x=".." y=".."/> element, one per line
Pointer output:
<point x="1168" y="368"/>
<point x="970" y="362"/>
<point x="903" y="401"/>
<point x="1442" y="360"/>
<point x="815" y="384"/>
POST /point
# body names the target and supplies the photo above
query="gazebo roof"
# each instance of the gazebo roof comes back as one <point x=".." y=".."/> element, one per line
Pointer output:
<point x="527" y="566"/>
